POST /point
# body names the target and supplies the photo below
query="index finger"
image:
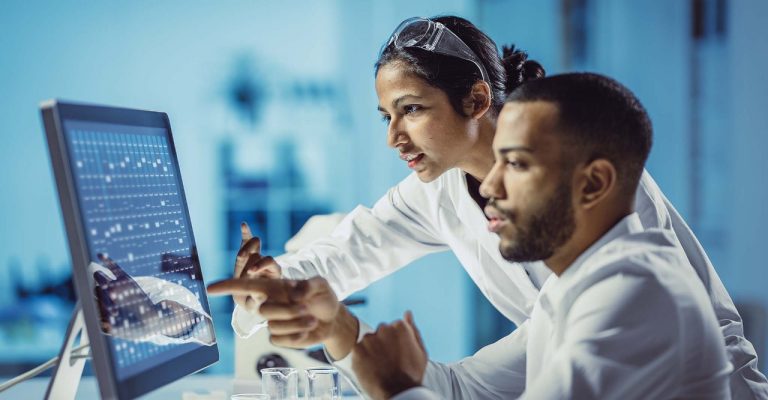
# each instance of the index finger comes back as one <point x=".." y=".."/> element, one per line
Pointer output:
<point x="245" y="232"/>
<point x="410" y="322"/>
<point x="273" y="289"/>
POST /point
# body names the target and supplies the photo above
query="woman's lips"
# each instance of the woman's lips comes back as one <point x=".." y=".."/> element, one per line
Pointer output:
<point x="412" y="163"/>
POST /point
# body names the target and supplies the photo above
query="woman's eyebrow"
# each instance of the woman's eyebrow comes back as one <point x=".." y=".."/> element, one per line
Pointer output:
<point x="505" y="150"/>
<point x="396" y="102"/>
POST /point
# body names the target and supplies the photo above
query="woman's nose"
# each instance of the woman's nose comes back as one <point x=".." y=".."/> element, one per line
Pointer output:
<point x="396" y="136"/>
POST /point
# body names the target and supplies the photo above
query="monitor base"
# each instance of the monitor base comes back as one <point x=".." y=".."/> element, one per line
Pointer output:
<point x="66" y="377"/>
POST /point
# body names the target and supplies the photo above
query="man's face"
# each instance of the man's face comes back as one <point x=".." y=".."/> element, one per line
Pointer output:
<point x="529" y="187"/>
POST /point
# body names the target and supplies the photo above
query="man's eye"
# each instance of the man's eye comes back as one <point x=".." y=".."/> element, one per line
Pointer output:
<point x="516" y="164"/>
<point x="386" y="119"/>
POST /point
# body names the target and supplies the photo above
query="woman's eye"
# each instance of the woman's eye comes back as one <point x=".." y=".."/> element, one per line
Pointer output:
<point x="412" y="108"/>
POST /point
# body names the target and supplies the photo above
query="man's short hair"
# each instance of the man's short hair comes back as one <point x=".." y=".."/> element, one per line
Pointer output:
<point x="599" y="118"/>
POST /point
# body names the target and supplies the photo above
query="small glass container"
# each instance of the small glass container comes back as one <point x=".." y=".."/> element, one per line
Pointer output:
<point x="323" y="384"/>
<point x="280" y="383"/>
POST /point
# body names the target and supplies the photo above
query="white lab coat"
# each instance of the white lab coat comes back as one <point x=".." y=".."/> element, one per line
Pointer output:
<point x="415" y="218"/>
<point x="626" y="320"/>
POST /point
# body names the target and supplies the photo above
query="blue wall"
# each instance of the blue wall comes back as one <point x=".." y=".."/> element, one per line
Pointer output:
<point x="183" y="59"/>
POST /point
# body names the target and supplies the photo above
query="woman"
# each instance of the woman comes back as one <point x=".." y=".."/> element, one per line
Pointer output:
<point x="441" y="85"/>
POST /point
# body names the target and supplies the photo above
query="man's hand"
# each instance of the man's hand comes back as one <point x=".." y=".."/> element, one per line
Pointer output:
<point x="391" y="360"/>
<point x="299" y="313"/>
<point x="320" y="319"/>
<point x="250" y="264"/>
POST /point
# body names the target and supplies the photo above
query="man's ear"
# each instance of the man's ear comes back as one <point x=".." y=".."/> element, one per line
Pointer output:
<point x="597" y="181"/>
<point x="478" y="102"/>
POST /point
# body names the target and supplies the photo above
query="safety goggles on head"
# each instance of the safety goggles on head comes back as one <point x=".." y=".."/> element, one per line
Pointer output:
<point x="434" y="37"/>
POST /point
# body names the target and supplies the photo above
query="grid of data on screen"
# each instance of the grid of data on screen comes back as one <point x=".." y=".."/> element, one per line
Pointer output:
<point x="133" y="214"/>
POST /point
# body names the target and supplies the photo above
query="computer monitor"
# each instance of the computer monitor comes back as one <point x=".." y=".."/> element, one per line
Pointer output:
<point x="134" y="261"/>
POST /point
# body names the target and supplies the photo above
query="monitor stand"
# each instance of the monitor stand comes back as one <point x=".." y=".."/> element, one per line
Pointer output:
<point x="72" y="358"/>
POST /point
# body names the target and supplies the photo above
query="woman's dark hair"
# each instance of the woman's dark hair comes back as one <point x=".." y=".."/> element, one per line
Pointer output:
<point x="456" y="76"/>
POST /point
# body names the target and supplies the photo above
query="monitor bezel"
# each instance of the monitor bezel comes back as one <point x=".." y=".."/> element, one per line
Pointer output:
<point x="54" y="113"/>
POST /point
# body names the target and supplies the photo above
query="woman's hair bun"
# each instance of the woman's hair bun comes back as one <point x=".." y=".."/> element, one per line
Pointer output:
<point x="518" y="67"/>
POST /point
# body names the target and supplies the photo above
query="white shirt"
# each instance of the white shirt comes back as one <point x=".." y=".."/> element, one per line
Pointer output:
<point x="419" y="218"/>
<point x="625" y="321"/>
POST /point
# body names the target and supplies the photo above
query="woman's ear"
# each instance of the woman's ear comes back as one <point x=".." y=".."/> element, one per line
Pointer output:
<point x="478" y="102"/>
<point x="598" y="182"/>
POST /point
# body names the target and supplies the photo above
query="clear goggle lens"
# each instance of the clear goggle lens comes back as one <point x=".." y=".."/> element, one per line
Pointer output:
<point x="433" y="37"/>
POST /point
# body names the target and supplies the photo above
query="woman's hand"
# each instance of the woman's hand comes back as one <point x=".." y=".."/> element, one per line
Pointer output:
<point x="250" y="264"/>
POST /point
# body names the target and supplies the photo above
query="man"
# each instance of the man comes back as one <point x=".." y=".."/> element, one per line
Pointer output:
<point x="623" y="315"/>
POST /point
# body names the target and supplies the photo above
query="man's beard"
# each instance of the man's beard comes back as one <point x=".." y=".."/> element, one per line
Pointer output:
<point x="545" y="232"/>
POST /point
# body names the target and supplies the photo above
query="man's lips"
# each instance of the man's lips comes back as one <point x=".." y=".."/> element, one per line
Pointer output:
<point x="495" y="224"/>
<point x="496" y="219"/>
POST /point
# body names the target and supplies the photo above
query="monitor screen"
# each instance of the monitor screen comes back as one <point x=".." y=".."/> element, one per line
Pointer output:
<point x="134" y="252"/>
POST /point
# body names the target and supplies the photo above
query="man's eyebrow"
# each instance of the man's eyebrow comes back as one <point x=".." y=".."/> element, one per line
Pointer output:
<point x="505" y="150"/>
<point x="397" y="101"/>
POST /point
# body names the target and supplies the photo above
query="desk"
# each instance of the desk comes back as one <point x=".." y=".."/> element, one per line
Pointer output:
<point x="88" y="389"/>
<point x="198" y="383"/>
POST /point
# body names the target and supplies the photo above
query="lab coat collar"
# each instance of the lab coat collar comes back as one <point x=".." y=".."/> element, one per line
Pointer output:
<point x="556" y="287"/>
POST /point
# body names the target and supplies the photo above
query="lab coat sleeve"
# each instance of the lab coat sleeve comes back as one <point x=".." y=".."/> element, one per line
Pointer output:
<point x="344" y="365"/>
<point x="371" y="243"/>
<point x="246" y="323"/>
<point x="612" y="351"/>
<point x="367" y="245"/>
<point x="747" y="382"/>
<point x="656" y="211"/>
<point x="497" y="371"/>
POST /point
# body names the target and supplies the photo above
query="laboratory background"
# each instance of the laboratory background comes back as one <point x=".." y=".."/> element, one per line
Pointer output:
<point x="273" y="111"/>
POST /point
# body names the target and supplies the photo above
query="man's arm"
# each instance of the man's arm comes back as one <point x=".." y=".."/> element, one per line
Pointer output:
<point x="656" y="211"/>
<point x="495" y="372"/>
<point x="305" y="314"/>
<point x="623" y="338"/>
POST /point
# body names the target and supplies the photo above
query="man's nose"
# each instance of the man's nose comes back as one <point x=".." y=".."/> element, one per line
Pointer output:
<point x="493" y="184"/>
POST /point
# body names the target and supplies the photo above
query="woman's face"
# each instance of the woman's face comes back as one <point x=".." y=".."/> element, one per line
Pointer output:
<point x="422" y="126"/>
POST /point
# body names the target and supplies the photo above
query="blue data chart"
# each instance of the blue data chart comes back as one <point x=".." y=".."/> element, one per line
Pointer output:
<point x="133" y="212"/>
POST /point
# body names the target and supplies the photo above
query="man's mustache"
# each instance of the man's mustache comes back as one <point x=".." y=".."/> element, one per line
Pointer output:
<point x="508" y="214"/>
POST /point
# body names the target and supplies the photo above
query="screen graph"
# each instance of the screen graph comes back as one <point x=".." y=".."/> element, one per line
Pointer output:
<point x="146" y="283"/>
